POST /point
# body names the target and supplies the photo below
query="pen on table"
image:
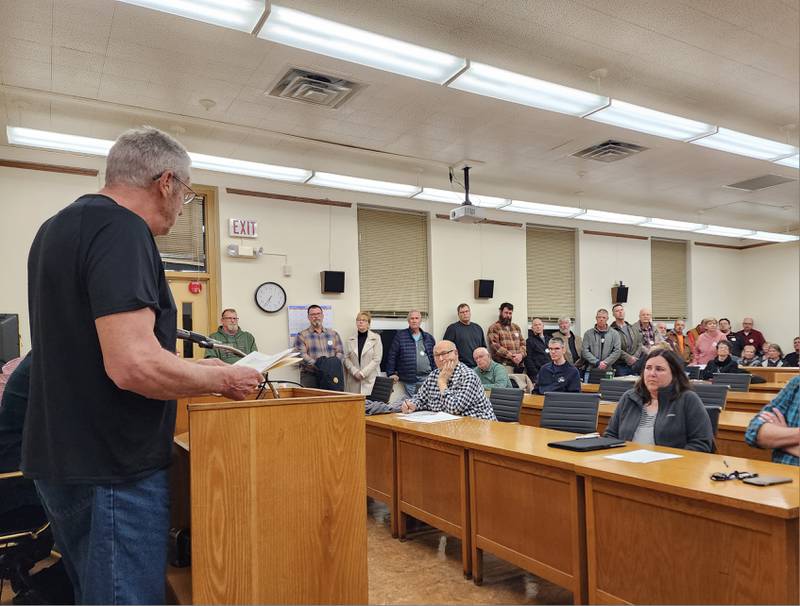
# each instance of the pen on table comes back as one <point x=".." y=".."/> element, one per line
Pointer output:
<point x="726" y="463"/>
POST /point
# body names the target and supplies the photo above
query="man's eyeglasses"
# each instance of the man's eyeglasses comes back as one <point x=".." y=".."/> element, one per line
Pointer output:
<point x="442" y="354"/>
<point x="234" y="319"/>
<point x="721" y="476"/>
<point x="188" y="196"/>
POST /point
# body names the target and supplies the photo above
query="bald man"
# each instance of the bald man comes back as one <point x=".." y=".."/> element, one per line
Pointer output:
<point x="749" y="336"/>
<point x="453" y="388"/>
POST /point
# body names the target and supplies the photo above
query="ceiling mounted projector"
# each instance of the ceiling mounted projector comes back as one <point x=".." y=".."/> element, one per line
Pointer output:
<point x="467" y="212"/>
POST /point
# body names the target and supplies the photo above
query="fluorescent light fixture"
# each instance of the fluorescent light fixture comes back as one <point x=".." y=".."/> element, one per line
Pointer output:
<point x="673" y="225"/>
<point x="772" y="237"/>
<point x="242" y="15"/>
<point x="548" y="210"/>
<point x="650" y="121"/>
<point x="791" y="161"/>
<point x="49" y="140"/>
<point x="607" y="217"/>
<point x="301" y="30"/>
<point x="745" y="145"/>
<point x="368" y="185"/>
<point x="718" y="230"/>
<point x="440" y="195"/>
<point x="490" y="81"/>
<point x="251" y="169"/>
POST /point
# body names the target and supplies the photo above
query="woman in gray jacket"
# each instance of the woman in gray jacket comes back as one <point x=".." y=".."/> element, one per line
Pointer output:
<point x="662" y="409"/>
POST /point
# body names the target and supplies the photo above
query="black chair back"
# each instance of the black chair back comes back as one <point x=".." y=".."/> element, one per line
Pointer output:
<point x="711" y="395"/>
<point x="693" y="372"/>
<point x="381" y="390"/>
<point x="713" y="414"/>
<point x="596" y="375"/>
<point x="737" y="381"/>
<point x="506" y="403"/>
<point x="611" y="390"/>
<point x="575" y="412"/>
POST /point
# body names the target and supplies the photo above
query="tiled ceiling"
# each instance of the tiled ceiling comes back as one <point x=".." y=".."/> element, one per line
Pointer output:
<point x="95" y="66"/>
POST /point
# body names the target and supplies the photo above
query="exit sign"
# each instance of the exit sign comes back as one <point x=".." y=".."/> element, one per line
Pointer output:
<point x="242" y="228"/>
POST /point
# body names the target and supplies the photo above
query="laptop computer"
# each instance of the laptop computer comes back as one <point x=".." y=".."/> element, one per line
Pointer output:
<point x="587" y="444"/>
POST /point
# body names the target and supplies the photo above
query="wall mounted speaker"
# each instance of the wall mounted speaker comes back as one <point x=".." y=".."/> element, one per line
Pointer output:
<point x="619" y="294"/>
<point x="331" y="281"/>
<point x="484" y="289"/>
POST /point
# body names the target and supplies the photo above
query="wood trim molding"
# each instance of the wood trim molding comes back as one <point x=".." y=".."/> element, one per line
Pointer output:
<point x="303" y="199"/>
<point x="732" y="247"/>
<point x="486" y="221"/>
<point x="614" y="235"/>
<point x="50" y="168"/>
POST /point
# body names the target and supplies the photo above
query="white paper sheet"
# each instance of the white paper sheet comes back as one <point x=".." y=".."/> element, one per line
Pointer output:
<point x="642" y="456"/>
<point x="428" y="416"/>
<point x="262" y="362"/>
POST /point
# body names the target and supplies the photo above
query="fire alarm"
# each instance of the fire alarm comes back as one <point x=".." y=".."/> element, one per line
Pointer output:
<point x="195" y="287"/>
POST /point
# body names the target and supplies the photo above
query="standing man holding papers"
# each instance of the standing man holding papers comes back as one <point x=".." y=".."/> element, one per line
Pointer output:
<point x="104" y="375"/>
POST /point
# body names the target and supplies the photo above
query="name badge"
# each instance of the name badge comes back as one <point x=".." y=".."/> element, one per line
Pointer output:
<point x="422" y="353"/>
<point x="516" y="334"/>
<point x="330" y="342"/>
<point x="560" y="379"/>
<point x="546" y="350"/>
<point x="732" y="338"/>
<point x="603" y="340"/>
<point x="752" y="341"/>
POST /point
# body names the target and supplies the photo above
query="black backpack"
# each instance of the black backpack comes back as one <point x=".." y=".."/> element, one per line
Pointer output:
<point x="330" y="373"/>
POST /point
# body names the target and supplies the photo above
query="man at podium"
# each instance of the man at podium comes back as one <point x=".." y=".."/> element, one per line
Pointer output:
<point x="104" y="375"/>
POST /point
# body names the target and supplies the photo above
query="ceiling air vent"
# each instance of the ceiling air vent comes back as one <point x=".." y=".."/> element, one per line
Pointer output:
<point x="758" y="183"/>
<point x="610" y="151"/>
<point x="316" y="89"/>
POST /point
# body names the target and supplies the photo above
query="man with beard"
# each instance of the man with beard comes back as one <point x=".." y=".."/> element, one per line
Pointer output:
<point x="601" y="345"/>
<point x="572" y="342"/>
<point x="315" y="342"/>
<point x="506" y="342"/>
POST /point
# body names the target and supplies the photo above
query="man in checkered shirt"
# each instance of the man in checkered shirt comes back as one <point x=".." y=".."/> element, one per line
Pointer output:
<point x="453" y="387"/>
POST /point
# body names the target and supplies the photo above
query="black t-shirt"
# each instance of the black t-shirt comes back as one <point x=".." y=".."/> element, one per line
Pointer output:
<point x="93" y="259"/>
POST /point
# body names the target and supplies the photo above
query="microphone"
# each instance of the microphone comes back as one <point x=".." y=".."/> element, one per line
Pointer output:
<point x="207" y="342"/>
<point x="196" y="337"/>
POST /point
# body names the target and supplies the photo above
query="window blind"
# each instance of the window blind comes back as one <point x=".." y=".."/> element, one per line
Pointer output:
<point x="184" y="247"/>
<point x="392" y="262"/>
<point x="668" y="279"/>
<point x="550" y="272"/>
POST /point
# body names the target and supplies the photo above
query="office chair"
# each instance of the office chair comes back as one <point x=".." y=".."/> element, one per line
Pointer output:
<point x="576" y="412"/>
<point x="711" y="395"/>
<point x="25" y="539"/>
<point x="693" y="372"/>
<point x="737" y="381"/>
<point x="381" y="390"/>
<point x="611" y="390"/>
<point x="596" y="375"/>
<point x="506" y="403"/>
<point x="713" y="415"/>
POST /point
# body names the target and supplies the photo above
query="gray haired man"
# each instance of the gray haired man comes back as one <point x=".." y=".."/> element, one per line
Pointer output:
<point x="104" y="377"/>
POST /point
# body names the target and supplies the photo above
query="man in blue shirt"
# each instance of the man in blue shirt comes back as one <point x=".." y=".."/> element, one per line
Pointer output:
<point x="777" y="426"/>
<point x="558" y="374"/>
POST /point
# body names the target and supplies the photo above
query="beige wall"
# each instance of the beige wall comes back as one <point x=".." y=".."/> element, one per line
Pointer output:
<point x="458" y="255"/>
<point x="605" y="260"/>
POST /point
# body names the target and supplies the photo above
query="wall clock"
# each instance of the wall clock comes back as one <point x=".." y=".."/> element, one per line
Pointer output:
<point x="270" y="297"/>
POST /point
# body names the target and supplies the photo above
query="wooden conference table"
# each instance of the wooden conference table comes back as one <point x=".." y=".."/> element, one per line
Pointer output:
<point x="730" y="432"/>
<point x="610" y="531"/>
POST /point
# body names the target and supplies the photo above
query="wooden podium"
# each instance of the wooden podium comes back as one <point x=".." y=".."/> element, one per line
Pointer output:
<point x="273" y="492"/>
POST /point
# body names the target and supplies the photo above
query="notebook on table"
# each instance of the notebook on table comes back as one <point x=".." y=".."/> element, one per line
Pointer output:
<point x="587" y="444"/>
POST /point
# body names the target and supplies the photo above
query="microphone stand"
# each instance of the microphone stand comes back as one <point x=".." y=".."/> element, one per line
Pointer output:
<point x="209" y="343"/>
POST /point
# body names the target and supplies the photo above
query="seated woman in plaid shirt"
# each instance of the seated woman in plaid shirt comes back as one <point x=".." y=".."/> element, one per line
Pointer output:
<point x="453" y="387"/>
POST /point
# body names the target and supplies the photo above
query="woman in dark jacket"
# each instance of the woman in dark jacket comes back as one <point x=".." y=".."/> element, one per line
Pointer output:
<point x="722" y="363"/>
<point x="662" y="409"/>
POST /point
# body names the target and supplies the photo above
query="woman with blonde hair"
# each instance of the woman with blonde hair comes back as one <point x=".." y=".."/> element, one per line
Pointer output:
<point x="362" y="356"/>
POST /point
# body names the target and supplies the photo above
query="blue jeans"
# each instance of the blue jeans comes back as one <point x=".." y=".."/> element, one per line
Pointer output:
<point x="113" y="537"/>
<point x="411" y="388"/>
<point x="623" y="370"/>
